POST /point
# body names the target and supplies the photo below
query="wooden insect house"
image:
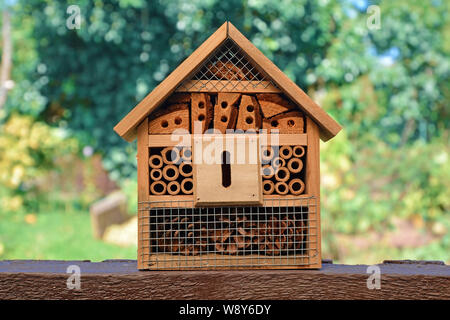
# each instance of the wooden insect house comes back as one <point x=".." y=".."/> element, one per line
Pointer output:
<point x="228" y="163"/>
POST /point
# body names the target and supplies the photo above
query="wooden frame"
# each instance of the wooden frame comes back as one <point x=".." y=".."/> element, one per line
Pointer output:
<point x="229" y="86"/>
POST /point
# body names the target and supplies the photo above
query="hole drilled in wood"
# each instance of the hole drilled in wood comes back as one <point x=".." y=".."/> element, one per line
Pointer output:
<point x="201" y="117"/>
<point x="164" y="124"/>
<point x="291" y="123"/>
<point x="274" y="123"/>
<point x="250" y="108"/>
<point x="249" y="120"/>
<point x="224" y="104"/>
<point x="178" y="121"/>
<point x="201" y="105"/>
<point x="226" y="169"/>
<point x="224" y="119"/>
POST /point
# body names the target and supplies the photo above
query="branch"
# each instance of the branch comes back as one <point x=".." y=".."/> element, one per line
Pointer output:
<point x="6" y="63"/>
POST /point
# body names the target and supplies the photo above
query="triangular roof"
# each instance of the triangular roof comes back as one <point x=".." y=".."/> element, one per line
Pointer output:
<point x="126" y="128"/>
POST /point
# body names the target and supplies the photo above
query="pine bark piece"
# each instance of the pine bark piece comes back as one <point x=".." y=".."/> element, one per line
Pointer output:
<point x="273" y="104"/>
<point x="249" y="114"/>
<point x="201" y="111"/>
<point x="225" y="111"/>
<point x="168" y="119"/>
<point x="290" y="122"/>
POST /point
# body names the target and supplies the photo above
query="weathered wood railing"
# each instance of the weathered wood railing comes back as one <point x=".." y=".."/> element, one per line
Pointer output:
<point x="119" y="279"/>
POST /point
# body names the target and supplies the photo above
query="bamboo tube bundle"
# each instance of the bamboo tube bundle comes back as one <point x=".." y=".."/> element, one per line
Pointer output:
<point x="171" y="155"/>
<point x="187" y="185"/>
<point x="173" y="188"/>
<point x="186" y="155"/>
<point x="295" y="165"/>
<point x="185" y="169"/>
<point x="267" y="171"/>
<point x="286" y="152"/>
<point x="268" y="187"/>
<point x="155" y="161"/>
<point x="281" y="188"/>
<point x="298" y="151"/>
<point x="278" y="162"/>
<point x="282" y="174"/>
<point x="170" y="172"/>
<point x="296" y="186"/>
<point x="156" y="174"/>
<point x="267" y="154"/>
<point x="158" y="188"/>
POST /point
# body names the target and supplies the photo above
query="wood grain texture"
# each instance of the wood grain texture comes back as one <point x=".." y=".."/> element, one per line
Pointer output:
<point x="143" y="174"/>
<point x="119" y="279"/>
<point x="169" y="119"/>
<point x="225" y="111"/>
<point x="126" y="127"/>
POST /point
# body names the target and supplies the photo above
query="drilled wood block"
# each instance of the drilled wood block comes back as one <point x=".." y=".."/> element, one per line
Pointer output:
<point x="273" y="104"/>
<point x="225" y="111"/>
<point x="290" y="122"/>
<point x="175" y="116"/>
<point x="201" y="111"/>
<point x="249" y="114"/>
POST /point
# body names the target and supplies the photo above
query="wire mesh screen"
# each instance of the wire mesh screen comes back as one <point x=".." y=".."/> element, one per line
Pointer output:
<point x="177" y="235"/>
<point x="227" y="69"/>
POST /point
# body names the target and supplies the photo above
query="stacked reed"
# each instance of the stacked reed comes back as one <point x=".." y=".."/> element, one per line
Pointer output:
<point x="278" y="234"/>
<point x="282" y="170"/>
<point x="171" y="171"/>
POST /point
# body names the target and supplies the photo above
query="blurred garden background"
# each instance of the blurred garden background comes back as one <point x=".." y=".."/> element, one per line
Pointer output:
<point x="385" y="177"/>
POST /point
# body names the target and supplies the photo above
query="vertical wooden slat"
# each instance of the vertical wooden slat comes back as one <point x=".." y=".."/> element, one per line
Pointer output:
<point x="313" y="182"/>
<point x="143" y="189"/>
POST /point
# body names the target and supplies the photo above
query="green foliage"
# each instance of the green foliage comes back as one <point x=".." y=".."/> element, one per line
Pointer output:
<point x="29" y="149"/>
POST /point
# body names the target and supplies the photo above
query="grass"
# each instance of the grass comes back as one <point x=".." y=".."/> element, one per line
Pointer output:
<point x="55" y="235"/>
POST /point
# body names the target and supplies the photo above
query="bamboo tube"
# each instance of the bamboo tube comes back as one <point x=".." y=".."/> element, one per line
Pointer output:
<point x="170" y="155"/>
<point x="295" y="165"/>
<point x="158" y="188"/>
<point x="268" y="187"/>
<point x="267" y="154"/>
<point x="187" y="185"/>
<point x="282" y="174"/>
<point x="186" y="169"/>
<point x="155" y="161"/>
<point x="170" y="172"/>
<point x="296" y="186"/>
<point x="286" y="152"/>
<point x="268" y="171"/>
<point x="156" y="174"/>
<point x="186" y="155"/>
<point x="281" y="187"/>
<point x="278" y="162"/>
<point x="173" y="188"/>
<point x="298" y="151"/>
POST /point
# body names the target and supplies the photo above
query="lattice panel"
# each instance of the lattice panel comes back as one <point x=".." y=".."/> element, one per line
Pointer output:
<point x="227" y="69"/>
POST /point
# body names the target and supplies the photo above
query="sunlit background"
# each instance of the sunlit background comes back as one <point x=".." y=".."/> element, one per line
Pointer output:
<point x="385" y="177"/>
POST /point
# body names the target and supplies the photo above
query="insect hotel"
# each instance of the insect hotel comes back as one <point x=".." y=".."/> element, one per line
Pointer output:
<point x="228" y="163"/>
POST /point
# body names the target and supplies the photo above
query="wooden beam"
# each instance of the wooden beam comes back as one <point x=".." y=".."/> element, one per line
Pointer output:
<point x="228" y="86"/>
<point x="120" y="279"/>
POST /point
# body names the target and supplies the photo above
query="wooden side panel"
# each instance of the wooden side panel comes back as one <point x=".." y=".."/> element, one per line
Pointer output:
<point x="313" y="183"/>
<point x="176" y="116"/>
<point x="143" y="187"/>
<point x="201" y="111"/>
<point x="290" y="122"/>
<point x="249" y="114"/>
<point x="225" y="111"/>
